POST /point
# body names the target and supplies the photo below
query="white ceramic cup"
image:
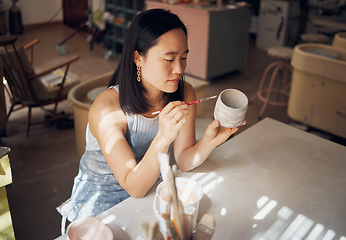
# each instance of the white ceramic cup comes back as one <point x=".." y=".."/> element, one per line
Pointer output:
<point x="190" y="194"/>
<point x="230" y="108"/>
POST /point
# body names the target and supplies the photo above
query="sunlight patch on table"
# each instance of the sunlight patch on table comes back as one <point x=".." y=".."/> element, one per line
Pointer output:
<point x="318" y="229"/>
<point x="285" y="213"/>
<point x="208" y="181"/>
<point x="197" y="176"/>
<point x="287" y="225"/>
<point x="296" y="229"/>
<point x="223" y="211"/>
<point x="263" y="200"/>
<point x="329" y="235"/>
<point x="265" y="210"/>
<point x="109" y="219"/>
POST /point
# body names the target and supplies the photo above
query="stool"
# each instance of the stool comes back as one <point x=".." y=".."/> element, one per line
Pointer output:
<point x="314" y="38"/>
<point x="265" y="89"/>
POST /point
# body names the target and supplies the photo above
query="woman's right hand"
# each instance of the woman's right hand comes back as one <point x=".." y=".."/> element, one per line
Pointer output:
<point x="172" y="118"/>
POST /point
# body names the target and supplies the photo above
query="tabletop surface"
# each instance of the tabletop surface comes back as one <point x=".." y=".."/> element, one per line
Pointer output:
<point x="272" y="181"/>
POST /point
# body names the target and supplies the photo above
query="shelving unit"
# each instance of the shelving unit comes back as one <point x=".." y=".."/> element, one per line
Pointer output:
<point x="123" y="12"/>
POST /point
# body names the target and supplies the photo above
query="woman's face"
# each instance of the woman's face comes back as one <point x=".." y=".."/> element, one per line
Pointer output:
<point x="164" y="63"/>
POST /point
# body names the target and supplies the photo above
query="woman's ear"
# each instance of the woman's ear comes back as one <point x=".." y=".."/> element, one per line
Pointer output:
<point x="137" y="58"/>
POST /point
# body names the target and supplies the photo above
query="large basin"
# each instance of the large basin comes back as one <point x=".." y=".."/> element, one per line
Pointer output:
<point x="318" y="90"/>
<point x="81" y="97"/>
<point x="339" y="40"/>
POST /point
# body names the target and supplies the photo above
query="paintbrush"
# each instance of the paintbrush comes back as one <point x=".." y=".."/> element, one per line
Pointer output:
<point x="193" y="102"/>
<point x="169" y="177"/>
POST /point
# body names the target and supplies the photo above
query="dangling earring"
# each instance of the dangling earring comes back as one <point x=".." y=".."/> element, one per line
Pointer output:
<point x="138" y="73"/>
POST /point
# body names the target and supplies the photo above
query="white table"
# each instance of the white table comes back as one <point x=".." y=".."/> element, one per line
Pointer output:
<point x="272" y="181"/>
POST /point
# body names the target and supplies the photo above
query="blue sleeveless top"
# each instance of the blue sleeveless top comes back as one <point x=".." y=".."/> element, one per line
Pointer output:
<point x="95" y="188"/>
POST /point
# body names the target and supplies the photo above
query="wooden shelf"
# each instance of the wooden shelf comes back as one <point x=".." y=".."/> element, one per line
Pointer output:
<point x="124" y="11"/>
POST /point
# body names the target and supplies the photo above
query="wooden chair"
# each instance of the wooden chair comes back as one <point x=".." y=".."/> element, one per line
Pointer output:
<point x="24" y="85"/>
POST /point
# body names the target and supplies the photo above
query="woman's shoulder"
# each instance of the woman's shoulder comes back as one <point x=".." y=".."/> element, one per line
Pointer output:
<point x="106" y="106"/>
<point x="189" y="92"/>
<point x="107" y="99"/>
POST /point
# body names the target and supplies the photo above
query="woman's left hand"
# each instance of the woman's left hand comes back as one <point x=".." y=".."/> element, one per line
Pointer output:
<point x="215" y="134"/>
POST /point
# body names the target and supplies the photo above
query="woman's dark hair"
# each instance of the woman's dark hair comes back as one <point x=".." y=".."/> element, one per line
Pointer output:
<point x="142" y="34"/>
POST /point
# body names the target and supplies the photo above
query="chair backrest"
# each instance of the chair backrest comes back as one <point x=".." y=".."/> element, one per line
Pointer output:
<point x="17" y="68"/>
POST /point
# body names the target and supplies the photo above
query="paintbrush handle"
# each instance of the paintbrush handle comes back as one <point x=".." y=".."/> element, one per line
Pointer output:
<point x="193" y="102"/>
<point x="178" y="211"/>
<point x="190" y="103"/>
<point x="201" y="100"/>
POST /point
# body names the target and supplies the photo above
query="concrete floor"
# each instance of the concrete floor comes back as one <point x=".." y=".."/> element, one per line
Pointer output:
<point x="45" y="163"/>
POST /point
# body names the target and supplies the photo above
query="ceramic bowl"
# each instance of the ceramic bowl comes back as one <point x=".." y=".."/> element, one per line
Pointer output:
<point x="89" y="228"/>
